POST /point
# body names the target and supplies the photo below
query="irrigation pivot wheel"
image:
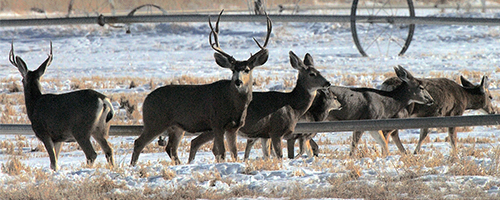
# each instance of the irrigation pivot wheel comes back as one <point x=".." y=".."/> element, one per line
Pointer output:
<point x="381" y="37"/>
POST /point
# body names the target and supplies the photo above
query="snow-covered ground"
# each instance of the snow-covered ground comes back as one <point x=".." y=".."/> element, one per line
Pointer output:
<point x="172" y="50"/>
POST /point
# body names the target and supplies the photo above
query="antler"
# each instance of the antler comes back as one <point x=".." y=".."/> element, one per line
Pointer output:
<point x="215" y="45"/>
<point x="11" y="54"/>
<point x="49" y="59"/>
<point x="269" y="30"/>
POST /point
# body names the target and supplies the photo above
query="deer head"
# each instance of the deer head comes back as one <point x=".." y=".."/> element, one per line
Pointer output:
<point x="309" y="77"/>
<point x="31" y="79"/>
<point x="242" y="70"/>
<point x="419" y="94"/>
<point x="482" y="93"/>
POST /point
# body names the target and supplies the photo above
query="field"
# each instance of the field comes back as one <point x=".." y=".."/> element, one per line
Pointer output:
<point x="127" y="67"/>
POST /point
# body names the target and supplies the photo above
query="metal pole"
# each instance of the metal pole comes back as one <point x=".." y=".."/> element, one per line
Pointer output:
<point x="102" y="20"/>
<point x="390" y="124"/>
<point x="336" y="126"/>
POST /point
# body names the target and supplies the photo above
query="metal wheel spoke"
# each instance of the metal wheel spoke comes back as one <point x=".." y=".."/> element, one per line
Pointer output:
<point x="381" y="38"/>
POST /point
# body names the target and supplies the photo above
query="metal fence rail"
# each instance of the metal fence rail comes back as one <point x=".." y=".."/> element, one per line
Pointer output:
<point x="337" y="126"/>
<point x="102" y="20"/>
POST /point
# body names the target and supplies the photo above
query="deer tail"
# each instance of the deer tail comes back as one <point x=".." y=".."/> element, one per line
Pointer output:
<point x="108" y="107"/>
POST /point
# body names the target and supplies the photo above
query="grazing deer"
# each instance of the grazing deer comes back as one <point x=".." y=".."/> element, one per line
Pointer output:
<point x="68" y="117"/>
<point x="219" y="107"/>
<point x="275" y="114"/>
<point x="368" y="103"/>
<point x="324" y="102"/>
<point x="450" y="99"/>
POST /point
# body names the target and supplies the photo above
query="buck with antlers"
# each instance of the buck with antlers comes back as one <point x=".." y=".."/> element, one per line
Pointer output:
<point x="219" y="107"/>
<point x="68" y="117"/>
<point x="275" y="114"/>
<point x="451" y="99"/>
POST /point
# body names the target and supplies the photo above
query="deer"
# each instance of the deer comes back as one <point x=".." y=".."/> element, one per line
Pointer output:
<point x="369" y="103"/>
<point x="450" y="99"/>
<point x="274" y="114"/>
<point x="324" y="102"/>
<point x="67" y="117"/>
<point x="220" y="107"/>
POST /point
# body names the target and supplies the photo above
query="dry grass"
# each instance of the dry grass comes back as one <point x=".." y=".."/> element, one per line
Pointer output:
<point x="347" y="183"/>
<point x="262" y="164"/>
<point x="103" y="6"/>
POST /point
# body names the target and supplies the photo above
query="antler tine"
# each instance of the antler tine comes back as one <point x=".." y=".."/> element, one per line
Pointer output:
<point x="11" y="54"/>
<point x="212" y="31"/>
<point x="49" y="59"/>
<point x="269" y="30"/>
<point x="218" y="20"/>
<point x="215" y="33"/>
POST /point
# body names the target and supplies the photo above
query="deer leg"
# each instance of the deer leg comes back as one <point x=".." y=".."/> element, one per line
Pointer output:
<point x="218" y="148"/>
<point x="356" y="136"/>
<point x="57" y="148"/>
<point x="314" y="147"/>
<point x="197" y="142"/>
<point x="146" y="137"/>
<point x="379" y="138"/>
<point x="290" y="146"/>
<point x="423" y="134"/>
<point x="277" y="146"/>
<point x="266" y="148"/>
<point x="88" y="149"/>
<point x="305" y="143"/>
<point x="175" y="136"/>
<point x="452" y="133"/>
<point x="231" y="143"/>
<point x="106" y="148"/>
<point x="302" y="146"/>
<point x="248" y="147"/>
<point x="397" y="141"/>
<point x="49" y="146"/>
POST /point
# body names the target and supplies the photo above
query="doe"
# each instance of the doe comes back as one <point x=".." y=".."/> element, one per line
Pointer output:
<point x="68" y="117"/>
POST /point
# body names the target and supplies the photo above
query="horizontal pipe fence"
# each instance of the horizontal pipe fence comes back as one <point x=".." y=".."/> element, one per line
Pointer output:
<point x="102" y="20"/>
<point x="335" y="126"/>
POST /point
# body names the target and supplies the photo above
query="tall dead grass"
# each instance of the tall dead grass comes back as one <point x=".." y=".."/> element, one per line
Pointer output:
<point x="104" y="6"/>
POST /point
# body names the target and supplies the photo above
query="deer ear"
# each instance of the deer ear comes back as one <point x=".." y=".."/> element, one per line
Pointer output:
<point x="260" y="58"/>
<point x="465" y="82"/>
<point x="295" y="61"/>
<point x="484" y="83"/>
<point x="222" y="61"/>
<point x="401" y="73"/>
<point x="41" y="69"/>
<point x="308" y="60"/>
<point x="21" y="66"/>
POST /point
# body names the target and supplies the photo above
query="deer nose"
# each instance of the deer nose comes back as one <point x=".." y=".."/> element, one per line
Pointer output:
<point x="238" y="83"/>
<point x="327" y="84"/>
<point x="430" y="101"/>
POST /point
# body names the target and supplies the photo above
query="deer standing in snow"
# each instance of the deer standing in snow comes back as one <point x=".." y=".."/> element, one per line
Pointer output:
<point x="220" y="107"/>
<point x="68" y="117"/>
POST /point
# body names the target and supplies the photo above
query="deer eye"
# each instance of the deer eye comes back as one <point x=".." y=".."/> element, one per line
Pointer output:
<point x="490" y="97"/>
<point x="247" y="70"/>
<point x="421" y="87"/>
<point x="312" y="74"/>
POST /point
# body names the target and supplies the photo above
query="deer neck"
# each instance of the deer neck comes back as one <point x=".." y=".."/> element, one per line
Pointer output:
<point x="244" y="95"/>
<point x="32" y="92"/>
<point x="471" y="96"/>
<point x="399" y="98"/>
<point x="319" y="113"/>
<point x="301" y="98"/>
